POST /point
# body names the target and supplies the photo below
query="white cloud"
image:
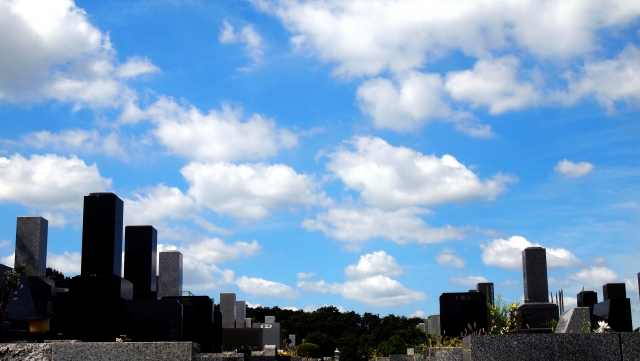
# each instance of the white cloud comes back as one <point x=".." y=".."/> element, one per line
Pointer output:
<point x="416" y="100"/>
<point x="594" y="277"/>
<point x="392" y="177"/>
<point x="419" y="314"/>
<point x="367" y="37"/>
<point x="49" y="181"/>
<point x="136" y="66"/>
<point x="203" y="276"/>
<point x="55" y="219"/>
<point x="224" y="135"/>
<point x="51" y="51"/>
<point x="492" y="83"/>
<point x="356" y="225"/>
<point x="447" y="259"/>
<point x="77" y="140"/>
<point x="609" y="81"/>
<point x="507" y="254"/>
<point x="9" y="260"/>
<point x="509" y="282"/>
<point x="570" y="169"/>
<point x="249" y="190"/>
<point x="68" y="262"/>
<point x="159" y="203"/>
<point x="217" y="251"/>
<point x="468" y="281"/>
<point x="376" y="263"/>
<point x="253" y="43"/>
<point x="369" y="283"/>
<point x="5" y="243"/>
<point x="262" y="287"/>
<point x="305" y="275"/>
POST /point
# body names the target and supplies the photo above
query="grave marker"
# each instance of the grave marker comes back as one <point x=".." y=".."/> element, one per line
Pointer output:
<point x="228" y="309"/>
<point x="241" y="313"/>
<point x="31" y="245"/>
<point x="140" y="252"/>
<point x="537" y="313"/>
<point x="170" y="264"/>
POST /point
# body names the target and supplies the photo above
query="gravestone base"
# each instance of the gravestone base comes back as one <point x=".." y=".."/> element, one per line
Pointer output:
<point x="101" y="287"/>
<point x="242" y="339"/>
<point x="197" y="320"/>
<point x="616" y="312"/>
<point x="537" y="315"/>
<point x="153" y="320"/>
<point x="93" y="320"/>
<point x="146" y="295"/>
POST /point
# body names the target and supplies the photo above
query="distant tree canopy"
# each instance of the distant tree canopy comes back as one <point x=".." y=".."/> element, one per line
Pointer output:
<point x="359" y="338"/>
<point x="57" y="276"/>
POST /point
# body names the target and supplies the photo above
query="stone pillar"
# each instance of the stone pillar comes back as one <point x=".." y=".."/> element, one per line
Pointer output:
<point x="31" y="245"/>
<point x="241" y="313"/>
<point x="486" y="288"/>
<point x="247" y="323"/>
<point x="102" y="235"/>
<point x="228" y="309"/>
<point x="170" y="265"/>
<point x="140" y="257"/>
<point x="269" y="319"/>
<point x="534" y="275"/>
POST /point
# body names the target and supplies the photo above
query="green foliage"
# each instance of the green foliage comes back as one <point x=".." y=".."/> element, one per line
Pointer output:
<point x="11" y="284"/>
<point x="358" y="337"/>
<point x="60" y="280"/>
<point x="308" y="349"/>
<point x="503" y="316"/>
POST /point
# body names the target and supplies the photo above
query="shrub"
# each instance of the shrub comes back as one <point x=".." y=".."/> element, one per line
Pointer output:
<point x="308" y="349"/>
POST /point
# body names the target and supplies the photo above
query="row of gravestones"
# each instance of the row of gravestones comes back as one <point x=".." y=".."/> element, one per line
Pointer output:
<point x="466" y="313"/>
<point x="100" y="305"/>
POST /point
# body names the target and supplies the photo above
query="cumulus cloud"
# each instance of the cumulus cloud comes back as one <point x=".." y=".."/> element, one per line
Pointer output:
<point x="369" y="283"/>
<point x="492" y="83"/>
<point x="249" y="190"/>
<point x="468" y="281"/>
<point x="507" y="254"/>
<point x="594" y="277"/>
<point x="609" y="81"/>
<point x="262" y="287"/>
<point x="419" y="314"/>
<point x="391" y="177"/>
<point x="368" y="37"/>
<point x="200" y="275"/>
<point x="376" y="263"/>
<point x="224" y="135"/>
<point x="570" y="169"/>
<point x="49" y="181"/>
<point x="358" y="224"/>
<point x="156" y="204"/>
<point x="67" y="262"/>
<point x="447" y="259"/>
<point x="51" y="51"/>
<point x="253" y="43"/>
<point x="217" y="251"/>
<point x="77" y="140"/>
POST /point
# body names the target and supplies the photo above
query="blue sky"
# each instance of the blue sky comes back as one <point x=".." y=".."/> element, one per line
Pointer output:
<point x="366" y="154"/>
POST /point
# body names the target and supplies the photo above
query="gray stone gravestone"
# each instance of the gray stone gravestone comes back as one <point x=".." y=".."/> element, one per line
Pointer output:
<point x="269" y="319"/>
<point x="293" y="340"/>
<point x="241" y="313"/>
<point x="228" y="309"/>
<point x="247" y="323"/>
<point x="575" y="320"/>
<point x="271" y="334"/>
<point x="537" y="313"/>
<point x="434" y="325"/>
<point x="31" y="245"/>
<point x="422" y="326"/>
<point x="170" y="273"/>
<point x="269" y="350"/>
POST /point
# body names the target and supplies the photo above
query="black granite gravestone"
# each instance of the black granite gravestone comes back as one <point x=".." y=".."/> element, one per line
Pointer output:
<point x="247" y="339"/>
<point x="197" y="321"/>
<point x="102" y="235"/>
<point x="537" y="313"/>
<point x="140" y="260"/>
<point x="615" y="309"/>
<point x="217" y="331"/>
<point x="459" y="310"/>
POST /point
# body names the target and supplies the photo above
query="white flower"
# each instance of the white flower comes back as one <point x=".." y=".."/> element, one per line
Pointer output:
<point x="603" y="326"/>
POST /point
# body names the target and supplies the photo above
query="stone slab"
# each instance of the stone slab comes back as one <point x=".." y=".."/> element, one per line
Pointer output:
<point x="153" y="320"/>
<point x="170" y="273"/>
<point x="31" y="245"/>
<point x="140" y="351"/>
<point x="534" y="274"/>
<point x="443" y="354"/>
<point x="25" y="351"/>
<point x="269" y="319"/>
<point x="140" y="257"/>
<point x="458" y="310"/>
<point x="630" y="345"/>
<point x="241" y="314"/>
<point x="228" y="309"/>
<point x="575" y="320"/>
<point x="537" y="315"/>
<point x="224" y="356"/>
<point x="197" y="320"/>
<point x="242" y="339"/>
<point x="566" y="347"/>
<point x="102" y="235"/>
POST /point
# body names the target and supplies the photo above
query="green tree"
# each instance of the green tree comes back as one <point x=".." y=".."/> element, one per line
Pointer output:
<point x="60" y="280"/>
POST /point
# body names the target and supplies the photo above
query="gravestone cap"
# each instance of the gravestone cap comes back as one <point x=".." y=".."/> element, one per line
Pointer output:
<point x="612" y="291"/>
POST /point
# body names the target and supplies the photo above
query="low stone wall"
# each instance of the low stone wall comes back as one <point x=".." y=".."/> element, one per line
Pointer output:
<point x="443" y="354"/>
<point x="100" y="351"/>
<point x="225" y="356"/>
<point x="577" y="346"/>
